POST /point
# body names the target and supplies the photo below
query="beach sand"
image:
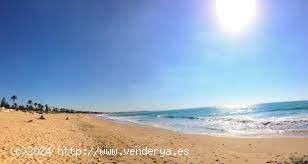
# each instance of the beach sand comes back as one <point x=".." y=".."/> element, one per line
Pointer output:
<point x="85" y="132"/>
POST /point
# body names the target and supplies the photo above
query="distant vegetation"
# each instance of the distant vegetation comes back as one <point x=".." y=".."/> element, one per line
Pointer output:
<point x="31" y="106"/>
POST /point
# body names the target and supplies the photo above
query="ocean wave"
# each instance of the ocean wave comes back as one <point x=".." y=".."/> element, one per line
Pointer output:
<point x="264" y="119"/>
<point x="183" y="117"/>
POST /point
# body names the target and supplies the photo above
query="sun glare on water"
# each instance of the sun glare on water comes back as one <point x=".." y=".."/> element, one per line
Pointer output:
<point x="237" y="106"/>
<point x="235" y="15"/>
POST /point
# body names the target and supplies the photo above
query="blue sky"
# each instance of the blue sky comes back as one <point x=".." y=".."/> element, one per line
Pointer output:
<point x="115" y="55"/>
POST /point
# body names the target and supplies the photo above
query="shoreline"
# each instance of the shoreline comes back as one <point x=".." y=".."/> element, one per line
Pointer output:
<point x="86" y="131"/>
<point x="278" y="149"/>
<point x="298" y="134"/>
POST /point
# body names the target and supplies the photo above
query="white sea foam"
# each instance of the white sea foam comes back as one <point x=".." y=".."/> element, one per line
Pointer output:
<point x="266" y="120"/>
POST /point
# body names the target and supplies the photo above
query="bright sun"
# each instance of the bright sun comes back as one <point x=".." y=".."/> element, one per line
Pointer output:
<point x="234" y="15"/>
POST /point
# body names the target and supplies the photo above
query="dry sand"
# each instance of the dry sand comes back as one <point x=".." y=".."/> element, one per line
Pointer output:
<point x="85" y="132"/>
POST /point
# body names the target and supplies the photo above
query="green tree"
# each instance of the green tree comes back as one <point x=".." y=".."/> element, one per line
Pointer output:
<point x="46" y="108"/>
<point x="3" y="102"/>
<point x="29" y="104"/>
<point x="35" y="105"/>
<point x="40" y="107"/>
<point x="14" y="98"/>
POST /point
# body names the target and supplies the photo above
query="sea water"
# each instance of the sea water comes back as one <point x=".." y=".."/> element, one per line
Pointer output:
<point x="261" y="120"/>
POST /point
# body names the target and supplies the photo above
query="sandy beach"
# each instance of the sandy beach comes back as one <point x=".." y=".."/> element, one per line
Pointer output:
<point x="84" y="132"/>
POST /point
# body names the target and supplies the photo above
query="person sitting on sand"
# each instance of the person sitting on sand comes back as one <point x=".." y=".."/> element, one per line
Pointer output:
<point x="42" y="117"/>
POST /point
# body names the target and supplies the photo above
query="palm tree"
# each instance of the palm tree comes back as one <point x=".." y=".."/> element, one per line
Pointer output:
<point x="35" y="104"/>
<point x="30" y="104"/>
<point x="40" y="107"/>
<point x="3" y="102"/>
<point x="14" y="98"/>
<point x="46" y="108"/>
